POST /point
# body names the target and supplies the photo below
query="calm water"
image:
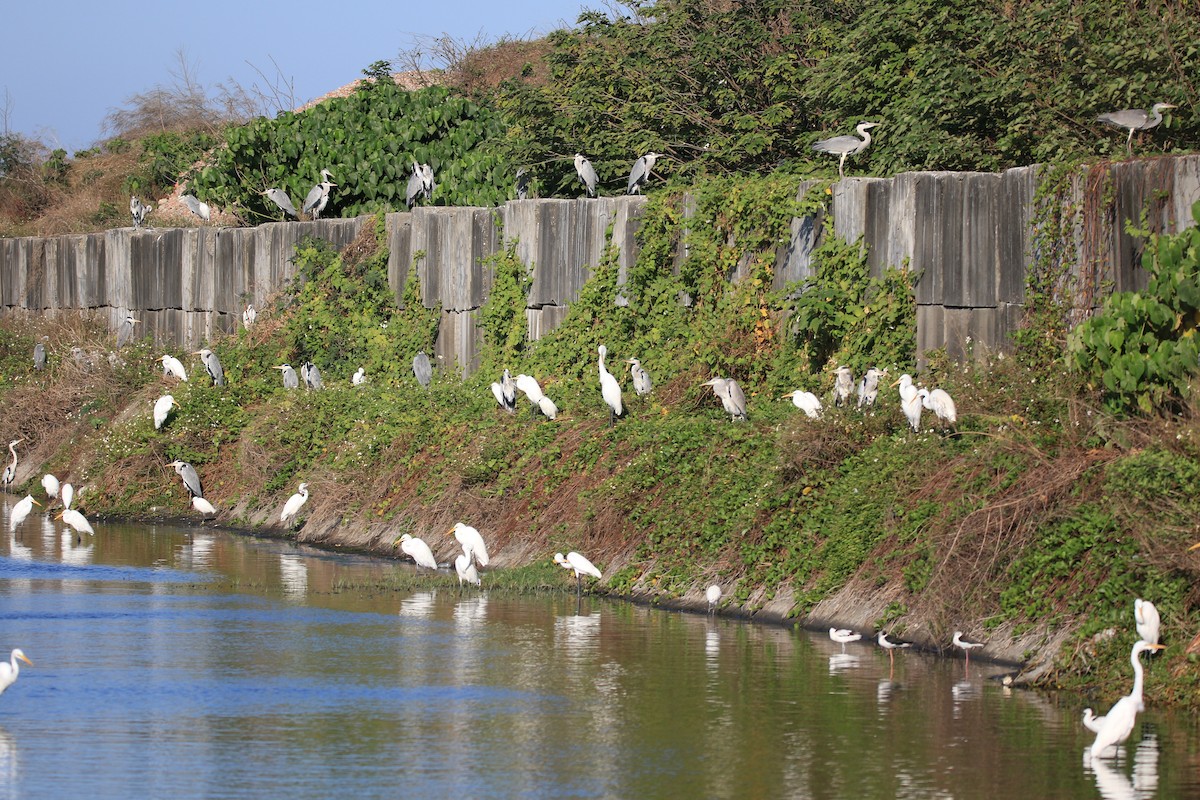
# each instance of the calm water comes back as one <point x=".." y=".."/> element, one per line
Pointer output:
<point x="181" y="662"/>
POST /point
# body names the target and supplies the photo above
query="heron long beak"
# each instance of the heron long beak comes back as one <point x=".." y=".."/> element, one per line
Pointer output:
<point x="1158" y="647"/>
<point x="26" y="660"/>
<point x="60" y="515"/>
<point x="895" y="382"/>
<point x="396" y="541"/>
<point x="36" y="503"/>
<point x="1193" y="547"/>
<point x="176" y="403"/>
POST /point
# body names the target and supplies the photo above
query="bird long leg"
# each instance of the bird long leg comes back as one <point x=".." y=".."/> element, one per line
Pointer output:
<point x="842" y="166"/>
<point x="578" y="585"/>
<point x="1129" y="143"/>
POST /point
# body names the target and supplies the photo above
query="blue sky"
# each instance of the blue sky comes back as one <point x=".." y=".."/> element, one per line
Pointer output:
<point x="64" y="65"/>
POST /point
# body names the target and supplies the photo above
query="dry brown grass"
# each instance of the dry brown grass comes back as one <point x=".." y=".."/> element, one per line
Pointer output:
<point x="78" y="207"/>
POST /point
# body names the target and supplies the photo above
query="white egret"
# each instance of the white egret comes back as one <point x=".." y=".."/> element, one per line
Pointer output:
<point x="21" y="511"/>
<point x="249" y="316"/>
<point x="642" y="385"/>
<point x="586" y="173"/>
<point x="890" y="646"/>
<point x="9" y="670"/>
<point x="464" y="566"/>
<point x="292" y="507"/>
<point x="843" y="146"/>
<point x="806" y="402"/>
<point x="68" y="494"/>
<point x="965" y="645"/>
<point x="197" y="206"/>
<point x="290" y="380"/>
<point x="732" y="398"/>
<point x="843" y="384"/>
<point x="162" y="408"/>
<point x="51" y="485"/>
<point x="173" y="366"/>
<point x="191" y="478"/>
<point x="469" y="537"/>
<point x="547" y="407"/>
<point x="713" y="595"/>
<point x="910" y="401"/>
<point x="844" y="635"/>
<point x="10" y="472"/>
<point x="203" y="506"/>
<point x="318" y="196"/>
<point x="1091" y="722"/>
<point x="941" y="404"/>
<point x="505" y="392"/>
<point x="580" y="564"/>
<point x="125" y="331"/>
<point x="641" y="172"/>
<point x="213" y="365"/>
<point x="610" y="390"/>
<point x="1145" y="616"/>
<point x="868" y="387"/>
<point x="1118" y="722"/>
<point x="1135" y="119"/>
<point x="419" y="551"/>
<point x="359" y="377"/>
<point x="76" y="520"/>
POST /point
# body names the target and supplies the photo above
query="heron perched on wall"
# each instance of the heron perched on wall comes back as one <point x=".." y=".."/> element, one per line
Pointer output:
<point x="422" y="369"/>
<point x="280" y="199"/>
<point x="587" y="174"/>
<point x="290" y="380"/>
<point x="191" y="478"/>
<point x="732" y="398"/>
<point x="125" y="331"/>
<point x="213" y="365"/>
<point x="196" y="206"/>
<point x="420" y="185"/>
<point x="523" y="180"/>
<point x="1135" y="119"/>
<point x="318" y="196"/>
<point x="139" y="210"/>
<point x="641" y="172"/>
<point x="843" y="146"/>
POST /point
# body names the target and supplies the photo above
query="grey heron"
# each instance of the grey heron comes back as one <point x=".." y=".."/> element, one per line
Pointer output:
<point x="39" y="356"/>
<point x="641" y="172"/>
<point x="9" y="670"/>
<point x="191" y="478"/>
<point x="470" y="537"/>
<point x="162" y="409"/>
<point x="806" y="402"/>
<point x="139" y="210"/>
<point x="10" y="472"/>
<point x="76" y="520"/>
<point x="941" y="404"/>
<point x="610" y="390"/>
<point x="844" y="635"/>
<point x="249" y="316"/>
<point x="422" y="369"/>
<point x="280" y="199"/>
<point x="292" y="507"/>
<point x="587" y="174"/>
<point x="642" y="385"/>
<point x="318" y="196"/>
<point x="290" y="381"/>
<point x="523" y="180"/>
<point x="842" y="146"/>
<point x="1135" y="119"/>
<point x="1145" y="615"/>
<point x="311" y="376"/>
<point x="196" y="206"/>
<point x="173" y="366"/>
<point x="125" y="331"/>
<point x="732" y="398"/>
<point x="505" y="392"/>
<point x="1118" y="722"/>
<point x="21" y="511"/>
<point x="868" y="387"/>
<point x="843" y="384"/>
<point x="213" y="365"/>
<point x="910" y="401"/>
<point x="420" y="184"/>
<point x="418" y="550"/>
<point x="581" y="566"/>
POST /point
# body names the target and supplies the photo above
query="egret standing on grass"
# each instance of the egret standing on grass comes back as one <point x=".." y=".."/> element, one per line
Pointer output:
<point x="469" y="537"/>
<point x="586" y="173"/>
<point x="1135" y="119"/>
<point x="173" y="366"/>
<point x="21" y="511"/>
<point x="9" y="669"/>
<point x="418" y="550"/>
<point x="581" y="565"/>
<point x="359" y="377"/>
<point x="290" y="380"/>
<point x="732" y="398"/>
<point x="280" y="199"/>
<point x="191" y="479"/>
<point x="910" y="401"/>
<point x="806" y="402"/>
<point x="941" y="404"/>
<point x="196" y="206"/>
<point x="213" y="365"/>
<point x="1145" y="616"/>
<point x="642" y="385"/>
<point x="162" y="408"/>
<point x="318" y="196"/>
<point x="641" y="172"/>
<point x="610" y="390"/>
<point x="292" y="507"/>
<point x="843" y="635"/>
<point x="10" y="472"/>
<point x="843" y="146"/>
<point x="1118" y="722"/>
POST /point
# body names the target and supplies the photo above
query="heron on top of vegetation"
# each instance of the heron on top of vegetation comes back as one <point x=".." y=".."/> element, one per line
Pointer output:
<point x="311" y="376"/>
<point x="196" y="206"/>
<point x="587" y="174"/>
<point x="173" y="366"/>
<point x="910" y="401"/>
<point x="292" y="507"/>
<point x="213" y="365"/>
<point x="191" y="478"/>
<point x="125" y="331"/>
<point x="359" y="377"/>
<point x="51" y="485"/>
<point x="868" y="387"/>
<point x="732" y="398"/>
<point x="1135" y="119"/>
<point x="280" y="199"/>
<point x="420" y="185"/>
<point x="610" y="390"/>
<point x="139" y="210"/>
<point x="422" y="369"/>
<point x="249" y="316"/>
<point x="941" y="404"/>
<point x="1146" y="619"/>
<point x="842" y="146"/>
<point x="318" y="196"/>
<point x="162" y="408"/>
<point x="10" y="472"/>
<point x="642" y="385"/>
<point x="290" y="380"/>
<point x="505" y="392"/>
<point x="843" y="384"/>
<point x="641" y="172"/>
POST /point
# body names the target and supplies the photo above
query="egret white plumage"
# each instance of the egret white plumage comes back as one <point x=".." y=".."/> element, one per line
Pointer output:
<point x="843" y="384"/>
<point x="464" y="566"/>
<point x="1118" y="722"/>
<point x="641" y="172"/>
<point x="843" y="146"/>
<point x="249" y="315"/>
<point x="422" y="369"/>
<point x="965" y="645"/>
<point x="910" y="401"/>
<point x="642" y="385"/>
<point x="76" y="520"/>
<point x="359" y="377"/>
<point x="610" y="390"/>
<point x="9" y="670"/>
<point x="292" y="507"/>
<point x="125" y="331"/>
<point x="203" y="506"/>
<point x="732" y="398"/>
<point x="68" y="495"/>
<point x="531" y="389"/>
<point x="505" y="392"/>
<point x="418" y="550"/>
<point x="470" y="537"/>
<point x="940" y="403"/>
<point x="280" y="199"/>
<point x="1135" y="119"/>
<point x="318" y="196"/>
<point x="580" y="564"/>
<point x="547" y="407"/>
<point x="196" y="206"/>
<point x="10" y="472"/>
<point x="191" y="478"/>
<point x="20" y="511"/>
<point x="173" y="366"/>
<point x="890" y="646"/>
<point x="213" y="365"/>
<point x="162" y="409"/>
<point x="806" y="402"/>
<point x="713" y="595"/>
<point x="586" y="173"/>
<point x="1146" y="620"/>
<point x="868" y="387"/>
<point x="290" y="379"/>
<point x="1092" y="722"/>
<point x="51" y="485"/>
<point x="844" y="635"/>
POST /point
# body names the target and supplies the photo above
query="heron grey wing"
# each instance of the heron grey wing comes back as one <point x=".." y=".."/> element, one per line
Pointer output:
<point x="39" y="356"/>
<point x="838" y="144"/>
<point x="280" y="198"/>
<point x="414" y="190"/>
<point x="191" y="479"/>
<point x="124" y="333"/>
<point x="422" y="369"/>
<point x="1126" y="118"/>
<point x="192" y="203"/>
<point x="587" y="174"/>
<point x="314" y="377"/>
<point x="736" y="396"/>
<point x="214" y="370"/>
<point x="637" y="175"/>
<point x="522" y="184"/>
<point x="290" y="379"/>
<point x="314" y="197"/>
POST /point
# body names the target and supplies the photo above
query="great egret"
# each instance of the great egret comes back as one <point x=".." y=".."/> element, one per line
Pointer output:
<point x="249" y="315"/>
<point x="10" y="472"/>
<point x="9" y="670"/>
<point x="213" y="365"/>
<point x="844" y="635"/>
<point x="1145" y="616"/>
<point x="806" y="402"/>
<point x="138" y="210"/>
<point x="1091" y="722"/>
<point x="464" y="566"/>
<point x="732" y="398"/>
<point x="965" y="645"/>
<point x="39" y="356"/>
<point x="910" y="401"/>
<point x="280" y="199"/>
<point x="292" y="507"/>
<point x="191" y="479"/>
<point x="531" y="389"/>
<point x="51" y="485"/>
<point x="359" y="377"/>
<point x="868" y="387"/>
<point x="21" y="511"/>
<point x="76" y="520"/>
<point x="580" y="564"/>
<point x="311" y="376"/>
<point x="125" y="331"/>
<point x="713" y="595"/>
<point x="642" y="385"/>
<point x="843" y="384"/>
<point x="318" y="196"/>
<point x="610" y="390"/>
<point x="843" y="146"/>
<point x="505" y="392"/>
<point x="941" y="404"/>
<point x="290" y="380"/>
<point x="1118" y="722"/>
<point x="162" y="408"/>
<point x="418" y="550"/>
<point x="547" y="407"/>
<point x="196" y="206"/>
<point x="422" y="369"/>
<point x="586" y="173"/>
<point x="890" y="646"/>
<point x="640" y="172"/>
<point x="203" y="506"/>
<point x="68" y="495"/>
<point x="173" y="366"/>
<point x="470" y="537"/>
<point x="1135" y="119"/>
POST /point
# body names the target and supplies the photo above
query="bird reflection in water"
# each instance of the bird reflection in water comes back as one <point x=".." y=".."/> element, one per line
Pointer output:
<point x="471" y="612"/>
<point x="10" y="766"/>
<point x="577" y="634"/>
<point x="418" y="604"/>
<point x="76" y="551"/>
<point x="1115" y="785"/>
<point x="293" y="575"/>
<point x="962" y="692"/>
<point x="17" y="550"/>
<point x="841" y="662"/>
<point x="883" y="691"/>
